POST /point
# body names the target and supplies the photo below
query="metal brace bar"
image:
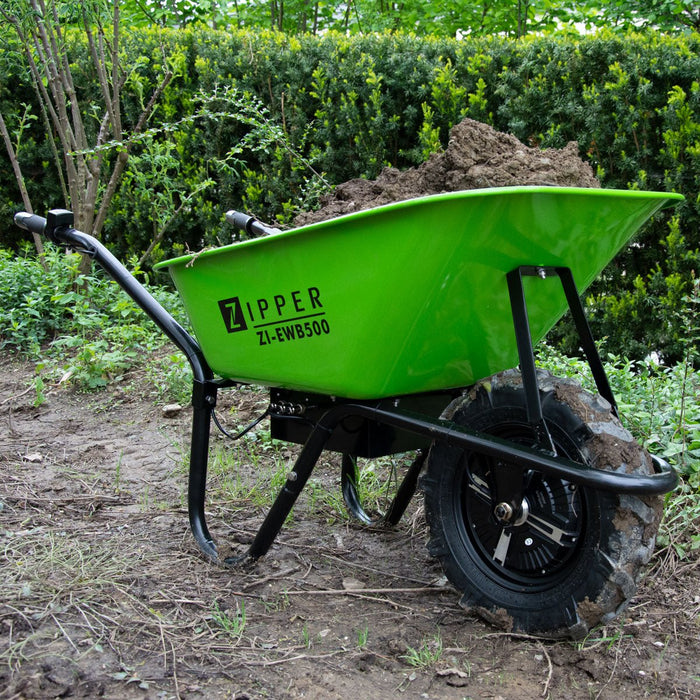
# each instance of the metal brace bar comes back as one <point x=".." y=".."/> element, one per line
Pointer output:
<point x="526" y="355"/>
<point x="578" y="315"/>
<point x="585" y="336"/>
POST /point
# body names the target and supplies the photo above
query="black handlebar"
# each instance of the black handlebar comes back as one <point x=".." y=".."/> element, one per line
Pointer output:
<point x="57" y="221"/>
<point x="250" y="224"/>
<point x="58" y="227"/>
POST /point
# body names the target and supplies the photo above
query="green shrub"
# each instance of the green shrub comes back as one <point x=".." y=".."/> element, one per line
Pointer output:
<point x="657" y="403"/>
<point x="313" y="110"/>
<point x="33" y="302"/>
<point x="84" y="325"/>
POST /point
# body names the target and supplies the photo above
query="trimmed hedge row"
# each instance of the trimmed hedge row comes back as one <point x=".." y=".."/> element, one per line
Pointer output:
<point x="344" y="107"/>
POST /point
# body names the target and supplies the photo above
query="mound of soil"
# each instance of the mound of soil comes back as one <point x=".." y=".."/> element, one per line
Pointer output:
<point x="477" y="156"/>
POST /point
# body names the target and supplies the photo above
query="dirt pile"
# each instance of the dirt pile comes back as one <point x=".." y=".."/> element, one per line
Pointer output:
<point x="476" y="156"/>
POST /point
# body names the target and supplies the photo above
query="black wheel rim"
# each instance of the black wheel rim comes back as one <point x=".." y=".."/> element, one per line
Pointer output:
<point x="544" y="543"/>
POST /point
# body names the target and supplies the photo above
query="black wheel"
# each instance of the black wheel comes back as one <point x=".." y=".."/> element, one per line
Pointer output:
<point x="574" y="556"/>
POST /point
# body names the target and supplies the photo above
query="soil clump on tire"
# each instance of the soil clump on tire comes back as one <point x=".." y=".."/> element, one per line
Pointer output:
<point x="477" y="156"/>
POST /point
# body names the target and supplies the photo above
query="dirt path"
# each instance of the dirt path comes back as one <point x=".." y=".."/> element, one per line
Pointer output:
<point x="104" y="594"/>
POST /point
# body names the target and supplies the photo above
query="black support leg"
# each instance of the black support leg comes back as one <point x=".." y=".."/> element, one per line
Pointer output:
<point x="296" y="480"/>
<point x="406" y="490"/>
<point x="526" y="357"/>
<point x="585" y="336"/>
<point x="203" y="402"/>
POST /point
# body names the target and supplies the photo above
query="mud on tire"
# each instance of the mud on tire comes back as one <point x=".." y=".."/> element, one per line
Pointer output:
<point x="575" y="557"/>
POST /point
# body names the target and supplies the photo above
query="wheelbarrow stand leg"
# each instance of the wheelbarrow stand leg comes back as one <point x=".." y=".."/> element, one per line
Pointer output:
<point x="203" y="402"/>
<point x="398" y="506"/>
<point x="296" y="480"/>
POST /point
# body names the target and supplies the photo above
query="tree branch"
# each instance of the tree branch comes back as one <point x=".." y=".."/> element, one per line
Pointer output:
<point x="123" y="156"/>
<point x="38" y="244"/>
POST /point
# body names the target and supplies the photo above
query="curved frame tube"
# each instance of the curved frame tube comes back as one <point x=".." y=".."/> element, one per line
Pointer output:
<point x="58" y="227"/>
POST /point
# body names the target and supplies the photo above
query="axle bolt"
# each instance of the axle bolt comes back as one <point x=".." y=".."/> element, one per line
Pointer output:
<point x="503" y="512"/>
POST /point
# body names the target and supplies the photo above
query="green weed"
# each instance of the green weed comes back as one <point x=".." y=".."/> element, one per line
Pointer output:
<point x="609" y="640"/>
<point x="306" y="637"/>
<point x="428" y="654"/>
<point x="39" y="396"/>
<point x="362" y="636"/>
<point x="231" y="622"/>
<point x="172" y="378"/>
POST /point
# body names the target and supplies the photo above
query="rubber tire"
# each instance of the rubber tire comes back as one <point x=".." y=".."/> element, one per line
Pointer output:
<point x="591" y="578"/>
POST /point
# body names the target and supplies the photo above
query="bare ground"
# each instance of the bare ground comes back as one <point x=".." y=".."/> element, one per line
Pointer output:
<point x="104" y="594"/>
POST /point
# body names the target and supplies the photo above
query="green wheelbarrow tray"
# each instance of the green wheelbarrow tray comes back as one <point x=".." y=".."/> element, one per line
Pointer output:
<point x="401" y="299"/>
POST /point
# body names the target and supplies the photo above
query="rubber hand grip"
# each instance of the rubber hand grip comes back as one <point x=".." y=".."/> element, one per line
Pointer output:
<point x="250" y="224"/>
<point x="240" y="220"/>
<point x="30" y="222"/>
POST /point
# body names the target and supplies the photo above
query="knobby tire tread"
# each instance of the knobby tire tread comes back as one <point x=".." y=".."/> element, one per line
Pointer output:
<point x="618" y="532"/>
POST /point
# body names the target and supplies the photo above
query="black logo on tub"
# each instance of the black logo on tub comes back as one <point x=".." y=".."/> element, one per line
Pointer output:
<point x="277" y="319"/>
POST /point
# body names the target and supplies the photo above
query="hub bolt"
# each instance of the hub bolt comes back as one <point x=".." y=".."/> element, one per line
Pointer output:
<point x="503" y="512"/>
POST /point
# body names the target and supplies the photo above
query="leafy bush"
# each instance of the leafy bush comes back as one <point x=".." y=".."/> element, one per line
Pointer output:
<point x="658" y="404"/>
<point x="32" y="309"/>
<point x="265" y="120"/>
<point x="83" y="324"/>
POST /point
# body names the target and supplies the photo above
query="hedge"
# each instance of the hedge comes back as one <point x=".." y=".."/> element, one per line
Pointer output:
<point x="331" y="108"/>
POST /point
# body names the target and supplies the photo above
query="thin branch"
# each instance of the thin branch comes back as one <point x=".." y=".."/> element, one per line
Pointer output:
<point x="123" y="156"/>
<point x="116" y="83"/>
<point x="59" y="119"/>
<point x="66" y="76"/>
<point x="164" y="227"/>
<point x="99" y="63"/>
<point x="38" y="244"/>
<point x="366" y="591"/>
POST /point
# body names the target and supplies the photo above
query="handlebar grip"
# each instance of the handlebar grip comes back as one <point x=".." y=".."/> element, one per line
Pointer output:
<point x="55" y="226"/>
<point x="240" y="220"/>
<point x="249" y="224"/>
<point x="30" y="222"/>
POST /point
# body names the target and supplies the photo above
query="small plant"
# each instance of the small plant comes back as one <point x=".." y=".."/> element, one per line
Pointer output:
<point x="277" y="603"/>
<point x="680" y="529"/>
<point x="362" y="635"/>
<point x="39" y="386"/>
<point x="609" y="640"/>
<point x="429" y="653"/>
<point x="172" y="378"/>
<point x="231" y="622"/>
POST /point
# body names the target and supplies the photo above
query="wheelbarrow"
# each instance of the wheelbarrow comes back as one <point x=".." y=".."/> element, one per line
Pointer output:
<point x="394" y="330"/>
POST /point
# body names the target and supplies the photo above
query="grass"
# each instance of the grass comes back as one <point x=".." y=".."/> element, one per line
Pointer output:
<point x="47" y="574"/>
<point x="231" y="622"/>
<point x="601" y="637"/>
<point x="427" y="654"/>
<point x="679" y="532"/>
<point x="362" y="637"/>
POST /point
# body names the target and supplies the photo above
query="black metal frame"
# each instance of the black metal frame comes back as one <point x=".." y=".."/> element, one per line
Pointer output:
<point x="388" y="414"/>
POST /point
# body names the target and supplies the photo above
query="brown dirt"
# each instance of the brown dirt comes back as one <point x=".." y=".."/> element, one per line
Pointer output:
<point x="104" y="594"/>
<point x="477" y="156"/>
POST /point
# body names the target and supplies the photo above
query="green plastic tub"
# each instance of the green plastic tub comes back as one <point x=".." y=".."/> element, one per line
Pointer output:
<point x="405" y="298"/>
